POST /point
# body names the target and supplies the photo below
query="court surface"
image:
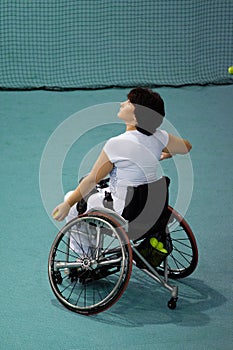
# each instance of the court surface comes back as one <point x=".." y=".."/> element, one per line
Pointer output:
<point x="31" y="317"/>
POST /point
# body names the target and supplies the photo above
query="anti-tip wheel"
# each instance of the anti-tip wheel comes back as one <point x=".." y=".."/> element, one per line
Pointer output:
<point x="172" y="303"/>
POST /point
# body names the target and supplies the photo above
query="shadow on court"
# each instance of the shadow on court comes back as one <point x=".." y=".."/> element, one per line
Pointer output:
<point x="144" y="302"/>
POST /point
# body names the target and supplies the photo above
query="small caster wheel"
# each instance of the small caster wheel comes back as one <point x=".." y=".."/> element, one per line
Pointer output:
<point x="172" y="303"/>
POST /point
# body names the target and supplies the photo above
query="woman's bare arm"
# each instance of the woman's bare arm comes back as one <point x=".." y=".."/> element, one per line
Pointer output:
<point x="101" y="168"/>
<point x="176" y="145"/>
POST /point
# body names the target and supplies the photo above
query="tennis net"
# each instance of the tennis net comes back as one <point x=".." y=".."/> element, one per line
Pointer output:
<point x="102" y="43"/>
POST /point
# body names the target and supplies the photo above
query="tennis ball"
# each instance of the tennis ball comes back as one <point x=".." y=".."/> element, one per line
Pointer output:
<point x="153" y="242"/>
<point x="163" y="250"/>
<point x="230" y="70"/>
<point x="159" y="246"/>
<point x="55" y="214"/>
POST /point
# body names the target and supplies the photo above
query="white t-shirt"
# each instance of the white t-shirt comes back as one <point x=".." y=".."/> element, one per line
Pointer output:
<point x="136" y="161"/>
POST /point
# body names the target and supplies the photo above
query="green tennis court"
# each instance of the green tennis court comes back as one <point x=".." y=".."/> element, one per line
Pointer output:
<point x="76" y="75"/>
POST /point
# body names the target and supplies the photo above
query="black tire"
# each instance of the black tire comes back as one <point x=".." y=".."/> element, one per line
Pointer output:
<point x="183" y="259"/>
<point x="90" y="263"/>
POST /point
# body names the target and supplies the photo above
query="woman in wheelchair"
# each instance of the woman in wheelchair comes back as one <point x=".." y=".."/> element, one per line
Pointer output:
<point x="132" y="158"/>
<point x="91" y="258"/>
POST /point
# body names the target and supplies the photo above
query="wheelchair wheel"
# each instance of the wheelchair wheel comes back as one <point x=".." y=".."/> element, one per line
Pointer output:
<point x="184" y="257"/>
<point x="90" y="263"/>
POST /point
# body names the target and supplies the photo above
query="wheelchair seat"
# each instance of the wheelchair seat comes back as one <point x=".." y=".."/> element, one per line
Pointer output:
<point x="146" y="208"/>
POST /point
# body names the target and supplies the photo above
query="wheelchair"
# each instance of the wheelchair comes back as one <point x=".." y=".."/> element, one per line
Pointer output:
<point x="91" y="258"/>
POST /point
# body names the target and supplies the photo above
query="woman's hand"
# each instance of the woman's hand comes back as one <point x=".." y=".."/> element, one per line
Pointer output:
<point x="165" y="155"/>
<point x="61" y="211"/>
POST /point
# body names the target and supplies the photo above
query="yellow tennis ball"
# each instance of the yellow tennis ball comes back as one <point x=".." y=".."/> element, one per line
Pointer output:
<point x="230" y="70"/>
<point x="159" y="246"/>
<point x="55" y="214"/>
<point x="153" y="242"/>
<point x="163" y="250"/>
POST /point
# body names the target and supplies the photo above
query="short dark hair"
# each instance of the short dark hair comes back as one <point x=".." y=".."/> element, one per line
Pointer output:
<point x="149" y="109"/>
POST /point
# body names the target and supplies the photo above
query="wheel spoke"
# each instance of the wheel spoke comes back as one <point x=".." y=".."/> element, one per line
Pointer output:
<point x="182" y="261"/>
<point x="94" y="262"/>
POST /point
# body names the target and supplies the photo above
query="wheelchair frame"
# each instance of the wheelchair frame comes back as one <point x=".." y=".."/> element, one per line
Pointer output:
<point x="91" y="258"/>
